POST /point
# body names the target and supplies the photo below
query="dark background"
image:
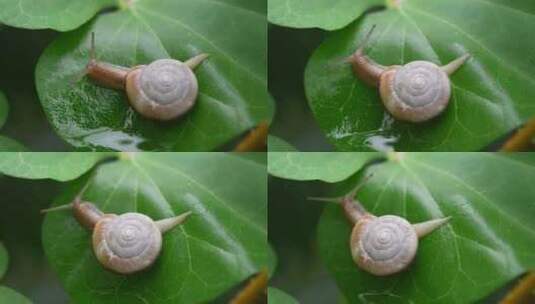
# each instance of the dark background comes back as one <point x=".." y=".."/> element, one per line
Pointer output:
<point x="20" y="231"/>
<point x="26" y="121"/>
<point x="288" y="54"/>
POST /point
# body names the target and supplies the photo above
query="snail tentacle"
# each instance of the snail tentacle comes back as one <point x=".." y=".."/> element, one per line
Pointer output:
<point x="105" y="74"/>
<point x="169" y="223"/>
<point x="424" y="228"/>
<point x="453" y="66"/>
<point x="366" y="68"/>
<point x="353" y="209"/>
<point x="192" y="63"/>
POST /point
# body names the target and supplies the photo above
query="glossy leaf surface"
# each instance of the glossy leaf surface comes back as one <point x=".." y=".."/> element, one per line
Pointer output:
<point x="325" y="166"/>
<point x="324" y="14"/>
<point x="220" y="245"/>
<point x="232" y="81"/>
<point x="61" y="166"/>
<point x="487" y="243"/>
<point x="491" y="94"/>
<point x="61" y="15"/>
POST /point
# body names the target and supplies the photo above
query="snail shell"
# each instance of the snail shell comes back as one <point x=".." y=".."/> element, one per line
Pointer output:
<point x="417" y="91"/>
<point x="383" y="245"/>
<point x="162" y="90"/>
<point x="126" y="243"/>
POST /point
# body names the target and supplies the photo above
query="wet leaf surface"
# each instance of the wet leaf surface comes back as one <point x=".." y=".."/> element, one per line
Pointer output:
<point x="232" y="82"/>
<point x="491" y="94"/>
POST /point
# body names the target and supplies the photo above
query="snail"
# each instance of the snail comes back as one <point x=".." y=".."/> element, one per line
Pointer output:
<point x="381" y="245"/>
<point x="125" y="243"/>
<point x="162" y="90"/>
<point x="416" y="92"/>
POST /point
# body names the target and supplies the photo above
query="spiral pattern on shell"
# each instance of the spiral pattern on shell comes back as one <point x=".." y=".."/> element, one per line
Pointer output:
<point x="166" y="81"/>
<point x="162" y="90"/>
<point x="127" y="243"/>
<point x="384" y="245"/>
<point x="415" y="92"/>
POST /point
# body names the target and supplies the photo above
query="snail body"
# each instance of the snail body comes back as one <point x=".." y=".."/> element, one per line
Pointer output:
<point x="382" y="245"/>
<point x="162" y="90"/>
<point x="416" y="92"/>
<point x="125" y="243"/>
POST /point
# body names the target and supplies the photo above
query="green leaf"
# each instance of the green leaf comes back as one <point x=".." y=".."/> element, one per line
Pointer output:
<point x="61" y="166"/>
<point x="11" y="145"/>
<point x="258" y="157"/>
<point x="220" y="245"/>
<point x="4" y="259"/>
<point x="277" y="296"/>
<point x="61" y="15"/>
<point x="325" y="14"/>
<point x="325" y="166"/>
<point x="488" y="241"/>
<point x="8" y="295"/>
<point x="491" y="94"/>
<point x="232" y="81"/>
<point x="4" y="109"/>
<point x="6" y="143"/>
<point x="277" y="144"/>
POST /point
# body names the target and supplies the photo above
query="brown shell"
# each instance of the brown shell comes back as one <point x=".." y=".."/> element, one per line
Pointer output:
<point x="126" y="243"/>
<point x="383" y="245"/>
<point x="162" y="90"/>
<point x="415" y="92"/>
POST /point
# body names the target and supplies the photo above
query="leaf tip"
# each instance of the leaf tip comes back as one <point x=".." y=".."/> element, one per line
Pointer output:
<point x="394" y="3"/>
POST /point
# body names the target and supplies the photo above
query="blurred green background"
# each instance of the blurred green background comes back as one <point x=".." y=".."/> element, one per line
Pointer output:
<point x="26" y="120"/>
<point x="288" y="54"/>
<point x="292" y="225"/>
<point x="20" y="232"/>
